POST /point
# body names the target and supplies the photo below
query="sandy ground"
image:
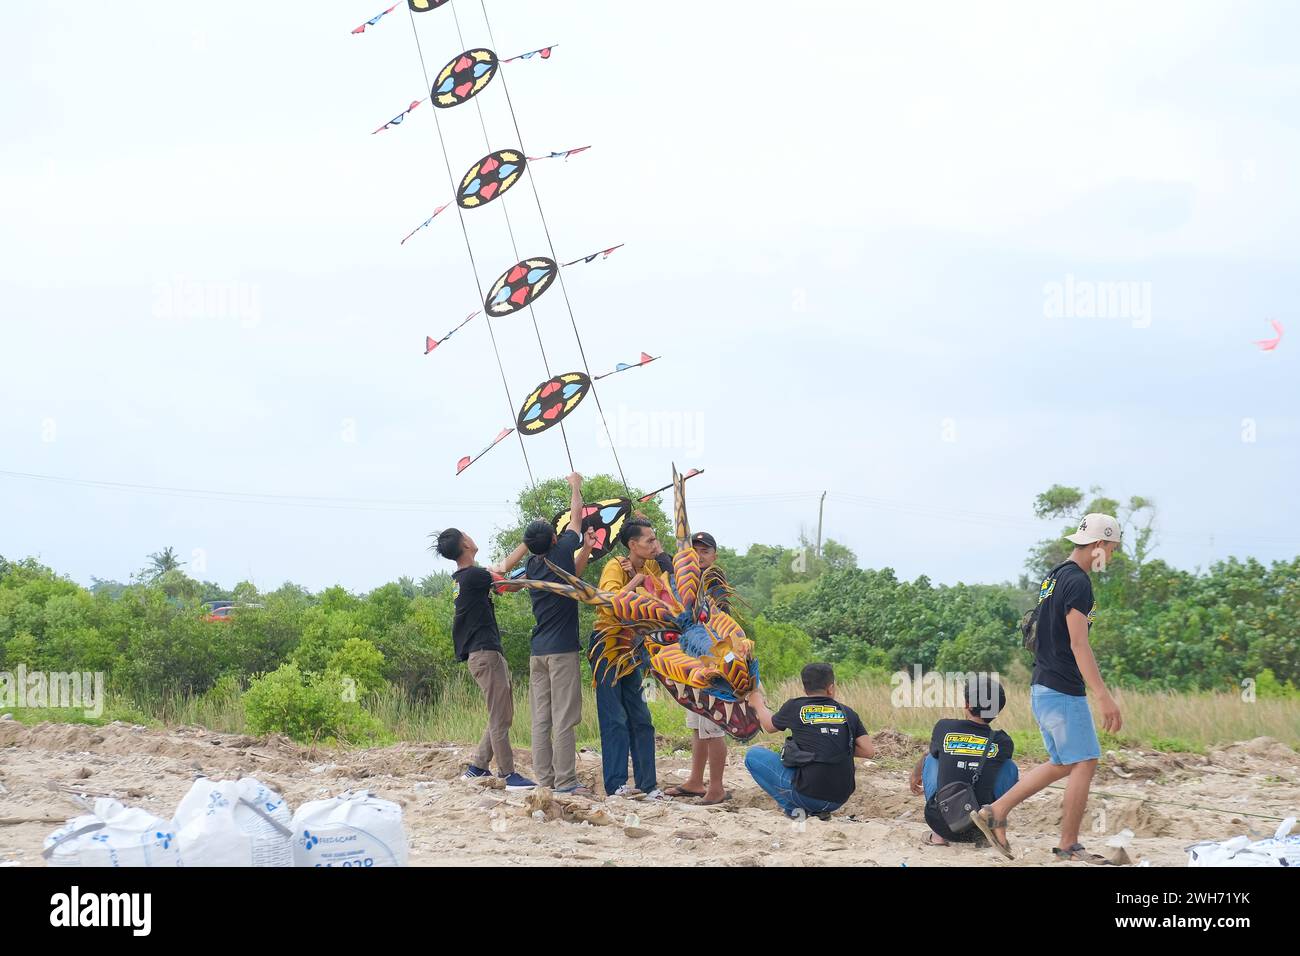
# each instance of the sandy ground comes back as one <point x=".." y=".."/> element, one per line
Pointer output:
<point x="1168" y="801"/>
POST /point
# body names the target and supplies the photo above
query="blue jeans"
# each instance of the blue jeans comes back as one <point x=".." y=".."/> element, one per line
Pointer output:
<point x="1007" y="777"/>
<point x="1065" y="722"/>
<point x="778" y="780"/>
<point x="625" y="725"/>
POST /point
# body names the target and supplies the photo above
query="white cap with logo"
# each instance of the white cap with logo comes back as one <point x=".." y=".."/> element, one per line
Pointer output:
<point x="1095" y="527"/>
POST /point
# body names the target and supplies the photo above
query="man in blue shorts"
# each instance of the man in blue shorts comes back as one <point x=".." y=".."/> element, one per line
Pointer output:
<point x="1064" y="670"/>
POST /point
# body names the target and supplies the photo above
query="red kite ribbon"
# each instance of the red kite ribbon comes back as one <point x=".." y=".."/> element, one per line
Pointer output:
<point x="425" y="223"/>
<point x="544" y="52"/>
<point x="396" y="120"/>
<point x="565" y="153"/>
<point x="467" y="460"/>
<point x="1268" y="345"/>
<point x="430" y="344"/>
<point x="603" y="253"/>
<point x="376" y="18"/>
<point x="646" y="359"/>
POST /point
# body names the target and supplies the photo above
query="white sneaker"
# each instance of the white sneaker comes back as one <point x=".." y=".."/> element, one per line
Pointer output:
<point x="629" y="792"/>
<point x="657" y="794"/>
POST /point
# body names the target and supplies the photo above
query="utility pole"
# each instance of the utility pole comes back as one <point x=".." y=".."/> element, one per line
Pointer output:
<point x="820" y="505"/>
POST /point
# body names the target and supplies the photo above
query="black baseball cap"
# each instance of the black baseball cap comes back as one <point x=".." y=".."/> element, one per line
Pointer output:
<point x="704" y="538"/>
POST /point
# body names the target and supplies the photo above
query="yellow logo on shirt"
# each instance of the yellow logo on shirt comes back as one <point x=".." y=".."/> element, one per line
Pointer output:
<point x="1046" y="589"/>
<point x="821" y="714"/>
<point x="967" y="745"/>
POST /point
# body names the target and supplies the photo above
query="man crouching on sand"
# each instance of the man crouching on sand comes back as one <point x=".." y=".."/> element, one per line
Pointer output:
<point x="813" y="775"/>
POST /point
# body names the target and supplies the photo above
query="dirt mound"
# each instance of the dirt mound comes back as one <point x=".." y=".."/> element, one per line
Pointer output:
<point x="891" y="743"/>
<point x="1137" y="764"/>
<point x="1248" y="754"/>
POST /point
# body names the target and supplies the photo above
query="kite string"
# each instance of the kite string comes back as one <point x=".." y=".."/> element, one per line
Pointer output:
<point x="559" y="272"/>
<point x="487" y="144"/>
<point x="510" y="404"/>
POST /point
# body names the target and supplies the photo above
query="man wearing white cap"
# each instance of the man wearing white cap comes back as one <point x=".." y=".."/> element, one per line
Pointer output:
<point x="1064" y="670"/>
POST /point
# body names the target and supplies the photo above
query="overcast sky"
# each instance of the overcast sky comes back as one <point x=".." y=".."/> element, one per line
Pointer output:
<point x="863" y="236"/>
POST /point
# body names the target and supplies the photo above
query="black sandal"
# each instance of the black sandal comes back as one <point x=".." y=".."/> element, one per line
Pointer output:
<point x="1077" y="854"/>
<point x="680" y="791"/>
<point x="984" y="819"/>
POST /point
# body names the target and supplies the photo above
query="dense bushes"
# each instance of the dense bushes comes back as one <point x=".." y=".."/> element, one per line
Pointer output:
<point x="307" y="707"/>
<point x="1156" y="626"/>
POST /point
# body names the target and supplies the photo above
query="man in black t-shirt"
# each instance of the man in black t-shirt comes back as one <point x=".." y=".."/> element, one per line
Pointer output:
<point x="956" y="747"/>
<point x="554" y="672"/>
<point x="477" y="641"/>
<point x="819" y="726"/>
<point x="1064" y="668"/>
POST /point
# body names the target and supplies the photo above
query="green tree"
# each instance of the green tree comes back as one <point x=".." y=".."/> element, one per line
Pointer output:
<point x="163" y="562"/>
<point x="1063" y="503"/>
<point x="551" y="497"/>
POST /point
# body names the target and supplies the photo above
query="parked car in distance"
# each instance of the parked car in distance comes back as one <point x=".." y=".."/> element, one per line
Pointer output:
<point x="222" y="610"/>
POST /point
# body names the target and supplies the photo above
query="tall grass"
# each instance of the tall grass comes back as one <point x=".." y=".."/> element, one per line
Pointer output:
<point x="1157" y="721"/>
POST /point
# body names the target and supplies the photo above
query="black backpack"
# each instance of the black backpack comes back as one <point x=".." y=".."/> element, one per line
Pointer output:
<point x="1029" y="623"/>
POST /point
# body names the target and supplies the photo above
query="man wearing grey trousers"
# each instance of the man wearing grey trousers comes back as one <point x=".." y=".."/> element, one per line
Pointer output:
<point x="554" y="669"/>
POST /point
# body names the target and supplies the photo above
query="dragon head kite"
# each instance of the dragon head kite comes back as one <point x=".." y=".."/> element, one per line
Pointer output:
<point x="687" y="642"/>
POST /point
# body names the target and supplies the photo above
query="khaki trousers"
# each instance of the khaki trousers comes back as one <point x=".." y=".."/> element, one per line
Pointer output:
<point x="555" y="698"/>
<point x="489" y="670"/>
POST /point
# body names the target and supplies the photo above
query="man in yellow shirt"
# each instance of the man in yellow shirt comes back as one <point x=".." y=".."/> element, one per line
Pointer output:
<point x="621" y="711"/>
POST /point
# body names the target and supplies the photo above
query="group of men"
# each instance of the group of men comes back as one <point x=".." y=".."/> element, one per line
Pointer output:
<point x="814" y="775"/>
<point x="555" y="691"/>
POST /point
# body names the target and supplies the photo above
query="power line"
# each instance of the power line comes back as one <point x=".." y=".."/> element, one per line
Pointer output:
<point x="444" y="505"/>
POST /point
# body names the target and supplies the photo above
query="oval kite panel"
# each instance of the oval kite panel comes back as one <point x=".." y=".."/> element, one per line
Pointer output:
<point x="520" y="285"/>
<point x="551" y="402"/>
<point x="606" y="517"/>
<point x="424" y="6"/>
<point x="463" y="77"/>
<point x="490" y="177"/>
